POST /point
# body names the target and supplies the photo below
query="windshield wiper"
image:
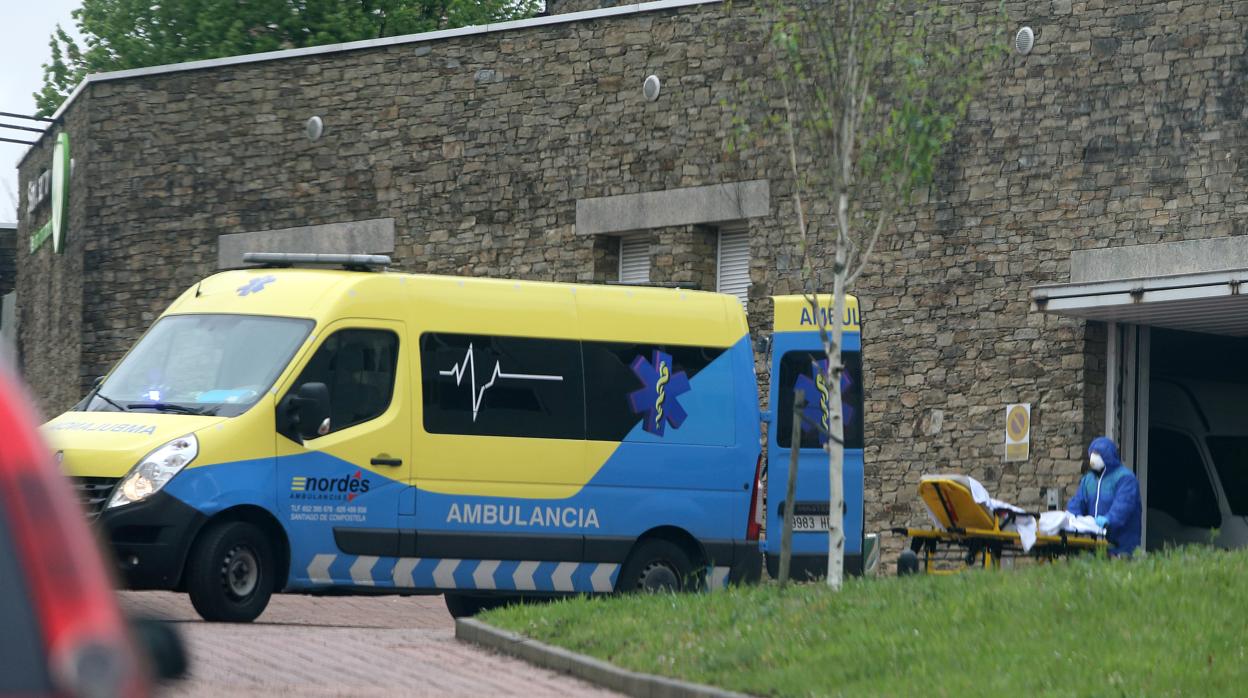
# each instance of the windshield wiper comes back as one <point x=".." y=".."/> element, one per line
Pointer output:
<point x="110" y="401"/>
<point x="167" y="407"/>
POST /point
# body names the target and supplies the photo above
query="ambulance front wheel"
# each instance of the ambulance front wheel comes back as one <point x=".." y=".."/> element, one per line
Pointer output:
<point x="465" y="606"/>
<point x="230" y="573"/>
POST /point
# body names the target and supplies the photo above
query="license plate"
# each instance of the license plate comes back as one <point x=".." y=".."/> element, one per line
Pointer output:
<point x="809" y="523"/>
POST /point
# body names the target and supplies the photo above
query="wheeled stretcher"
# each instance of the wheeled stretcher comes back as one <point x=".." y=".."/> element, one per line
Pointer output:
<point x="973" y="531"/>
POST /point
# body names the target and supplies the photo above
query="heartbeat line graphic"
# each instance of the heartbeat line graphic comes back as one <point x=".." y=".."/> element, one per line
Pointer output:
<point x="469" y="366"/>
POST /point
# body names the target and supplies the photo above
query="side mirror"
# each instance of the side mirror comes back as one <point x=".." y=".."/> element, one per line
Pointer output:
<point x="95" y="384"/>
<point x="163" y="646"/>
<point x="304" y="412"/>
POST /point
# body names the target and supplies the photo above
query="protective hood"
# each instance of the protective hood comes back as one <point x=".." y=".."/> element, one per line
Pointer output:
<point x="1105" y="448"/>
<point x="108" y="444"/>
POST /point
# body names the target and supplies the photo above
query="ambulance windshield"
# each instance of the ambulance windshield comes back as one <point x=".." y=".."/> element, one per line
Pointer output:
<point x="201" y="364"/>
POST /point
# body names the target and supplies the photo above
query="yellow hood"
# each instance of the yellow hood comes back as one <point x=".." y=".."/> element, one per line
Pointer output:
<point x="108" y="444"/>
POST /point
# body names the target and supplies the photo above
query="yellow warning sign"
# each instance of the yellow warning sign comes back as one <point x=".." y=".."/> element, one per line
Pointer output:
<point x="1017" y="431"/>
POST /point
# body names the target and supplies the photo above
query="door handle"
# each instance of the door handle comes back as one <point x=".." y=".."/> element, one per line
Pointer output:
<point x="383" y="459"/>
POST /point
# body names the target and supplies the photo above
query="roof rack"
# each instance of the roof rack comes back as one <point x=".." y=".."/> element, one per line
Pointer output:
<point x="354" y="262"/>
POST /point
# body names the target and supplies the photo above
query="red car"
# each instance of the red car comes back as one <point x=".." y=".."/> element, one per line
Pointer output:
<point x="61" y="631"/>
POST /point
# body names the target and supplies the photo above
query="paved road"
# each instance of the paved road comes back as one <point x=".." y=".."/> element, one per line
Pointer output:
<point x="344" y="646"/>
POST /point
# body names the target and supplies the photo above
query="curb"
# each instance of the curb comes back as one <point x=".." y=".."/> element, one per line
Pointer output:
<point x="595" y="671"/>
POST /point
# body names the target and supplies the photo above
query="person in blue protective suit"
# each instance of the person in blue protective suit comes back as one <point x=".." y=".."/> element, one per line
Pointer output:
<point x="1111" y="493"/>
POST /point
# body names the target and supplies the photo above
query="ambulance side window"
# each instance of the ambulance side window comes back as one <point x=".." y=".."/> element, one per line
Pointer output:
<point x="358" y="367"/>
<point x="484" y="385"/>
<point x="797" y="371"/>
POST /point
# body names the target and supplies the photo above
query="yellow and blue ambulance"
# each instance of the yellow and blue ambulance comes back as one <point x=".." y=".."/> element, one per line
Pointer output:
<point x="798" y="364"/>
<point x="349" y="430"/>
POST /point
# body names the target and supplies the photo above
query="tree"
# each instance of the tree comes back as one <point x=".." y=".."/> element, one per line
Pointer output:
<point x="865" y="96"/>
<point x="124" y="34"/>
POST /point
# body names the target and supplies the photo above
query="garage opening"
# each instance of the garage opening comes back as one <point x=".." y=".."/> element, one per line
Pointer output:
<point x="1197" y="442"/>
<point x="1176" y="396"/>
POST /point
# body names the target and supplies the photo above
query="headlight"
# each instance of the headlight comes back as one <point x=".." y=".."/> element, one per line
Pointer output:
<point x="155" y="471"/>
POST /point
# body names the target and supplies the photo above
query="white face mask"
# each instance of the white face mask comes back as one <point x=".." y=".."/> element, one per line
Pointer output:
<point x="1098" y="463"/>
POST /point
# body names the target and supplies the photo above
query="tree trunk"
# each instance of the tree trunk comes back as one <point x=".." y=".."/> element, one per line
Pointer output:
<point x="836" y="437"/>
<point x="790" y="490"/>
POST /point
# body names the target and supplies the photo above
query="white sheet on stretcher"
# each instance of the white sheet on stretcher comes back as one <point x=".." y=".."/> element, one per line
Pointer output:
<point x="1051" y="522"/>
<point x="1026" y="526"/>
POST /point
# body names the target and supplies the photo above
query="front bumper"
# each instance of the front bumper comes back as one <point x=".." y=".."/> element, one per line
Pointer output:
<point x="150" y="540"/>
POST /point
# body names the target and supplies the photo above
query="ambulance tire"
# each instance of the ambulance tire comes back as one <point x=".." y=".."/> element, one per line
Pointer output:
<point x="656" y="565"/>
<point x="230" y="573"/>
<point x="466" y="606"/>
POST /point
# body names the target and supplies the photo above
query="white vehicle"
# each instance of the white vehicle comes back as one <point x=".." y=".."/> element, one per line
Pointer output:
<point x="1197" y="477"/>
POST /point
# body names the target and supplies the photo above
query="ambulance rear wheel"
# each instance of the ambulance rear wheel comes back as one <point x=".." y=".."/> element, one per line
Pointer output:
<point x="230" y="573"/>
<point x="656" y="566"/>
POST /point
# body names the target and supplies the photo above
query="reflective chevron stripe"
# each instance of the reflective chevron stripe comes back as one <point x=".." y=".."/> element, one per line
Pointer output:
<point x="523" y="576"/>
<point x="449" y="573"/>
<point x="562" y="577"/>
<point x="444" y="574"/>
<point x="403" y="568"/>
<point x="318" y="569"/>
<point x="603" y="578"/>
<point x="362" y="570"/>
<point x="483" y="576"/>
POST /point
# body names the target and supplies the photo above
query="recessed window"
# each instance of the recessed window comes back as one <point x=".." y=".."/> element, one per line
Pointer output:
<point x="635" y="259"/>
<point x="732" y="262"/>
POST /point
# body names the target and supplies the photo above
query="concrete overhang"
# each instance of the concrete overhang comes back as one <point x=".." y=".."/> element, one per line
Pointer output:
<point x="1211" y="302"/>
<point x="1186" y="285"/>
<point x="706" y="205"/>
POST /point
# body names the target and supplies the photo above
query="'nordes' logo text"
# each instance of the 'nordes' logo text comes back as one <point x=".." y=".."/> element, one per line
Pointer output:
<point x="344" y="488"/>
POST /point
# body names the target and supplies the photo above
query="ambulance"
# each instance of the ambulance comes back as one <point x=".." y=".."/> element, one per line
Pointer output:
<point x="315" y="424"/>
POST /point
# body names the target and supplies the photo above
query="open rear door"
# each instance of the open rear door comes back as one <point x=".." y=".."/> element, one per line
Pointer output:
<point x="796" y="357"/>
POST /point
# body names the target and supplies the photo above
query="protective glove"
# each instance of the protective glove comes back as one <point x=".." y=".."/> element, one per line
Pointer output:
<point x="1101" y="521"/>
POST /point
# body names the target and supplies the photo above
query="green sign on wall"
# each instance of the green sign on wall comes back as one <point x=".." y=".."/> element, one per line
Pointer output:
<point x="59" y="220"/>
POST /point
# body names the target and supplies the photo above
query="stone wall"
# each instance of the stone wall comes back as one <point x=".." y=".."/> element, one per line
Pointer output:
<point x="1124" y="126"/>
<point x="53" y="301"/>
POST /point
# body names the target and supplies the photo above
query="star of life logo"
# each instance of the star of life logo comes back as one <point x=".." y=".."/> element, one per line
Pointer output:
<point x="256" y="285"/>
<point x="818" y="400"/>
<point x="658" y="397"/>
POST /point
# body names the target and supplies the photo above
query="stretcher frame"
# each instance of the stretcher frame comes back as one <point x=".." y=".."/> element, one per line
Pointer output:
<point x="972" y="536"/>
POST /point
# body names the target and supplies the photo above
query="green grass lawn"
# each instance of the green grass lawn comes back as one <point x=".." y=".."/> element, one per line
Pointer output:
<point x="1170" y="624"/>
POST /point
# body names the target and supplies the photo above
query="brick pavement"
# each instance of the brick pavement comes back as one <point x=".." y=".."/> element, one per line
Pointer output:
<point x="344" y="646"/>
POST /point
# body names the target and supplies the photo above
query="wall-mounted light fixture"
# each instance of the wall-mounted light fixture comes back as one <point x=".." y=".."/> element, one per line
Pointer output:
<point x="314" y="127"/>
<point x="1024" y="41"/>
<point x="650" y="88"/>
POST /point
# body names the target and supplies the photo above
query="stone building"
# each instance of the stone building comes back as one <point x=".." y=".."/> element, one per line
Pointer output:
<point x="1091" y="179"/>
<point x="8" y="285"/>
<point x="8" y="258"/>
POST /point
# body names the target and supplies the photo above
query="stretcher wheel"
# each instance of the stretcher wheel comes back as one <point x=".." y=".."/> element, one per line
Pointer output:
<point x="907" y="563"/>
